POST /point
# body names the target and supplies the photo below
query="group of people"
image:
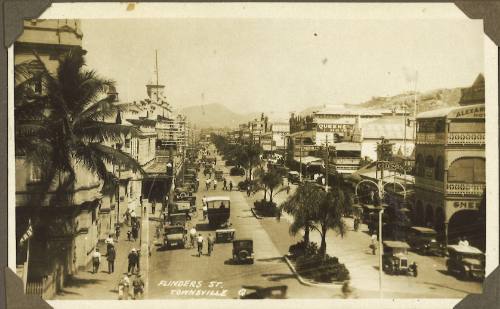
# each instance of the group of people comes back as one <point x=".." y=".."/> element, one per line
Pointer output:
<point x="200" y="240"/>
<point x="225" y="185"/>
<point x="133" y="233"/>
<point x="462" y="241"/>
<point x="110" y="256"/>
<point x="124" y="287"/>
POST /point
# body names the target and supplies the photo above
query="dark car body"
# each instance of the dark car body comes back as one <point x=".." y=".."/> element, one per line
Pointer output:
<point x="465" y="261"/>
<point x="243" y="251"/>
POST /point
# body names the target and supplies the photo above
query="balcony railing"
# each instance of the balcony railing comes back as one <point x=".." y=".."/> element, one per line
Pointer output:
<point x="345" y="161"/>
<point x="457" y="138"/>
<point x="456" y="188"/>
<point x="430" y="138"/>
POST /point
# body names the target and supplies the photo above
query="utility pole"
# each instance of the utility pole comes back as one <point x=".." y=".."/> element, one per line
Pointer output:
<point x="327" y="161"/>
<point x="380" y="250"/>
<point x="300" y="158"/>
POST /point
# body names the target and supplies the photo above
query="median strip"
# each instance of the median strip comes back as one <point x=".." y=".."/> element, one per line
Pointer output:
<point x="302" y="280"/>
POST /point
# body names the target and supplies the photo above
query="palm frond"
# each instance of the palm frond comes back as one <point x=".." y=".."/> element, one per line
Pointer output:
<point x="96" y="131"/>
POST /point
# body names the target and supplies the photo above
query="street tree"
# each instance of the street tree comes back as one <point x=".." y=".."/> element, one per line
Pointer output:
<point x="269" y="181"/>
<point x="328" y="214"/>
<point x="64" y="124"/>
<point x="301" y="206"/>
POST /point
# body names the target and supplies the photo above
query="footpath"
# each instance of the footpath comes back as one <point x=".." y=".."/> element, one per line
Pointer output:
<point x="102" y="285"/>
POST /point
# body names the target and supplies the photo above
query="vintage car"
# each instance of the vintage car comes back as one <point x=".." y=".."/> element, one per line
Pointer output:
<point x="219" y="175"/>
<point x="293" y="177"/>
<point x="243" y="251"/>
<point x="465" y="261"/>
<point x="218" y="210"/>
<point x="395" y="257"/>
<point x="423" y="240"/>
<point x="174" y="235"/>
<point x="224" y="235"/>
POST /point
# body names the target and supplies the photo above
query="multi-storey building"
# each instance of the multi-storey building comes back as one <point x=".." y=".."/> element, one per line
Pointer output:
<point x="450" y="166"/>
<point x="64" y="242"/>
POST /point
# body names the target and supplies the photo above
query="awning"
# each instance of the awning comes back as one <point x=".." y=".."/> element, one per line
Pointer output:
<point x="309" y="160"/>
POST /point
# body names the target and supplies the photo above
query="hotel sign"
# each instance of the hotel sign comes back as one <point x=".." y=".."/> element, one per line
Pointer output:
<point x="392" y="166"/>
<point x="469" y="112"/>
<point x="463" y="205"/>
<point x="335" y="128"/>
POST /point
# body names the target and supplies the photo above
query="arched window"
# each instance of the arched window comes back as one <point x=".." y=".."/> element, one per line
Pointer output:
<point x="439" y="171"/>
<point x="467" y="170"/>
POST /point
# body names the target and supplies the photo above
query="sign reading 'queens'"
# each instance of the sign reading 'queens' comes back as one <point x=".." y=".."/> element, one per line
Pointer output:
<point x="333" y="127"/>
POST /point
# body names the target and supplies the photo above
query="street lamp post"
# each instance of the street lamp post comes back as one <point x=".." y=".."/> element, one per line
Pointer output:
<point x="381" y="249"/>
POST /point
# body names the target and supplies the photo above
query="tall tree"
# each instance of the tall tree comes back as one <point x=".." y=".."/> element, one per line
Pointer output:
<point x="63" y="124"/>
<point x="328" y="214"/>
<point x="301" y="206"/>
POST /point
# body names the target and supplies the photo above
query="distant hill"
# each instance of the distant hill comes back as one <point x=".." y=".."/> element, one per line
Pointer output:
<point x="215" y="116"/>
<point x="430" y="100"/>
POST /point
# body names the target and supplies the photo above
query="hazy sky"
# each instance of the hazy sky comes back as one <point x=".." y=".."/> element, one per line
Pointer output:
<point x="282" y="65"/>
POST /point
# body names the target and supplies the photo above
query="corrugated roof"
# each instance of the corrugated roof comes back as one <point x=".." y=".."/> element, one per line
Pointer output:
<point x="389" y="128"/>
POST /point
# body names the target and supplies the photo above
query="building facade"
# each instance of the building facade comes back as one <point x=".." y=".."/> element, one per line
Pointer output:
<point x="450" y="167"/>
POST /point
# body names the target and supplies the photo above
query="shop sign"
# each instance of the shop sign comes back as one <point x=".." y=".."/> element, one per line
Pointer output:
<point x="463" y="205"/>
<point x="335" y="128"/>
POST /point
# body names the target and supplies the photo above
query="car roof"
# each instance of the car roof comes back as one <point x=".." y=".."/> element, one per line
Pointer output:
<point x="396" y="244"/>
<point x="465" y="249"/>
<point x="217" y="198"/>
<point x="422" y="229"/>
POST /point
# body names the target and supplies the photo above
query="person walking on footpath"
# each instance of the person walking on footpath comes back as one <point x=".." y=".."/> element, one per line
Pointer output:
<point x="373" y="244"/>
<point x="210" y="244"/>
<point x="207" y="182"/>
<point x="117" y="231"/>
<point x="132" y="260"/>
<point x="96" y="260"/>
<point x="199" y="240"/>
<point x="138" y="285"/>
<point x="215" y="184"/>
<point x="230" y="185"/>
<point x="129" y="235"/>
<point x="153" y="207"/>
<point x="109" y="242"/>
<point x="192" y="236"/>
<point x="248" y="190"/>
<point x="123" y="287"/>
<point x="224" y="185"/>
<point x="110" y="256"/>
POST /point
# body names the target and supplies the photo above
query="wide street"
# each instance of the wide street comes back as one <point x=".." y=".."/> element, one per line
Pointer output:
<point x="271" y="242"/>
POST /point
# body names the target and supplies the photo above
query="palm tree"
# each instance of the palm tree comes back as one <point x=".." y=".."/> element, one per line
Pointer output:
<point x="328" y="214"/>
<point x="300" y="205"/>
<point x="64" y="125"/>
<point x="269" y="181"/>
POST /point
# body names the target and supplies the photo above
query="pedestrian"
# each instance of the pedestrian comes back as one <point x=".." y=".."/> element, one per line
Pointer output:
<point x="96" y="260"/>
<point x="135" y="232"/>
<point x="210" y="244"/>
<point x="215" y="184"/>
<point x="205" y="211"/>
<point x="248" y="190"/>
<point x="153" y="207"/>
<point x="123" y="287"/>
<point x="230" y="185"/>
<point x="199" y="240"/>
<point x="132" y="260"/>
<point x="466" y="242"/>
<point x="117" y="231"/>
<point x="109" y="242"/>
<point x="207" y="182"/>
<point x="224" y="185"/>
<point x="373" y="244"/>
<point x="129" y="235"/>
<point x="288" y="189"/>
<point x="192" y="236"/>
<point x="138" y="285"/>
<point x="110" y="256"/>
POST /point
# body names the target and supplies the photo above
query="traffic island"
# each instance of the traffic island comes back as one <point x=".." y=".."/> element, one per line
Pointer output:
<point x="314" y="269"/>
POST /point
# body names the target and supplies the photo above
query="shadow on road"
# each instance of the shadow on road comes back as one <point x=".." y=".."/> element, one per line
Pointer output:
<point x="445" y="286"/>
<point x="278" y="277"/>
<point x="278" y="258"/>
<point x="80" y="282"/>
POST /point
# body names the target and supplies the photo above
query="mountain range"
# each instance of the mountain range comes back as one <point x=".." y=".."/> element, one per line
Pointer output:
<point x="217" y="115"/>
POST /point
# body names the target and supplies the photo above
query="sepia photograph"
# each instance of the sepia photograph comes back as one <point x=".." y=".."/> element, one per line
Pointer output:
<point x="250" y="158"/>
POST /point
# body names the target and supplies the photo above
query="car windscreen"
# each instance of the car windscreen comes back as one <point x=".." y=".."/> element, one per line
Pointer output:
<point x="218" y="205"/>
<point x="175" y="230"/>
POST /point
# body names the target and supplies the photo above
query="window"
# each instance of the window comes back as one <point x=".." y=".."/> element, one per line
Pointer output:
<point x="439" y="173"/>
<point x="429" y="167"/>
<point x="35" y="173"/>
<point x="467" y="170"/>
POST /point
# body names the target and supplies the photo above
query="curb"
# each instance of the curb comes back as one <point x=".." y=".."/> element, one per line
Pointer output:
<point x="255" y="213"/>
<point x="334" y="285"/>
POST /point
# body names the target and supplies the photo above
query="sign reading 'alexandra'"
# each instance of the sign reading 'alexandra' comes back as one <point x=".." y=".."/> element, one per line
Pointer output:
<point x="471" y="112"/>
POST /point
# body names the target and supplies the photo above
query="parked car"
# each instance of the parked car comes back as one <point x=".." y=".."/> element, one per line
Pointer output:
<point x="466" y="262"/>
<point x="395" y="258"/>
<point x="243" y="251"/>
<point x="237" y="171"/>
<point x="174" y="235"/>
<point x="423" y="240"/>
<point x="294" y="177"/>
